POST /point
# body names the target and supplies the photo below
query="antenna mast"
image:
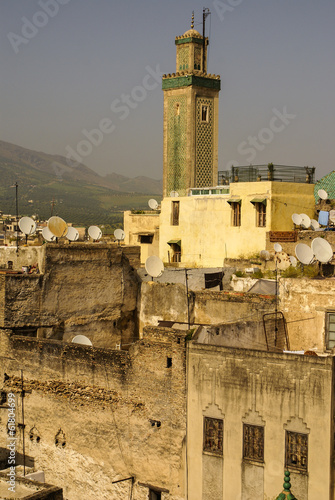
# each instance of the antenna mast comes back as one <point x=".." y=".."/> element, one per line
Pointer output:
<point x="205" y="13"/>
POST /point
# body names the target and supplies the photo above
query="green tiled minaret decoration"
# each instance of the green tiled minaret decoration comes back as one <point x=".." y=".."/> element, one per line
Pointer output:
<point x="286" y="494"/>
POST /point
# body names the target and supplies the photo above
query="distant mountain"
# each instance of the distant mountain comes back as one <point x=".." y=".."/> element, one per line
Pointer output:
<point x="77" y="193"/>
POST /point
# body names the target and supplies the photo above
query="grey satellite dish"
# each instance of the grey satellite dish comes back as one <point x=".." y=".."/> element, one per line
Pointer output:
<point x="264" y="255"/>
<point x="95" y="232"/>
<point x="305" y="221"/>
<point x="322" y="250"/>
<point x="278" y="247"/>
<point x="153" y="204"/>
<point x="323" y="194"/>
<point x="81" y="339"/>
<point x="304" y="253"/>
<point x="293" y="260"/>
<point x="174" y="194"/>
<point x="314" y="224"/>
<point x="119" y="234"/>
<point x="154" y="266"/>
<point x="72" y="234"/>
<point x="47" y="235"/>
<point x="57" y="226"/>
<point x="297" y="219"/>
<point x="27" y="225"/>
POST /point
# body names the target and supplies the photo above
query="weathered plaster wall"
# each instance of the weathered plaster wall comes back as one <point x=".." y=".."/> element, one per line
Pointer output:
<point x="305" y="303"/>
<point x="120" y="413"/>
<point x="137" y="224"/>
<point x="85" y="289"/>
<point x="168" y="302"/>
<point x="243" y="334"/>
<point x="278" y="391"/>
<point x="26" y="256"/>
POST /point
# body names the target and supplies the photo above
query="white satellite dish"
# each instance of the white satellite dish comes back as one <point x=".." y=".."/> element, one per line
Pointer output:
<point x="322" y="250"/>
<point x="293" y="260"/>
<point x="305" y="221"/>
<point x="264" y="255"/>
<point x="314" y="224"/>
<point x="153" y="204"/>
<point x="154" y="266"/>
<point x="95" y="232"/>
<point x="81" y="339"/>
<point x="297" y="219"/>
<point x="119" y="234"/>
<point x="47" y="235"/>
<point x="174" y="194"/>
<point x="72" y="234"/>
<point x="27" y="225"/>
<point x="278" y="247"/>
<point x="57" y="226"/>
<point x="304" y="253"/>
<point x="323" y="194"/>
<point x="282" y="261"/>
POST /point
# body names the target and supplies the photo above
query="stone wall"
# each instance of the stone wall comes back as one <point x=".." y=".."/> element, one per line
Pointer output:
<point x="88" y="289"/>
<point x="168" y="302"/>
<point x="278" y="392"/>
<point x="101" y="415"/>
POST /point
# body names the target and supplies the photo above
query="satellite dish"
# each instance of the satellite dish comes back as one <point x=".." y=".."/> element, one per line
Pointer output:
<point x="264" y="255"/>
<point x="153" y="204"/>
<point x="278" y="247"/>
<point x="47" y="235"/>
<point x="119" y="234"/>
<point x="304" y="253"/>
<point x="95" y="232"/>
<point x="297" y="219"/>
<point x="154" y="266"/>
<point x="314" y="224"/>
<point x="57" y="226"/>
<point x="293" y="260"/>
<point x="81" y="339"/>
<point x="27" y="225"/>
<point x="323" y="194"/>
<point x="305" y="221"/>
<point x="174" y="194"/>
<point x="72" y="234"/>
<point x="322" y="250"/>
<point x="282" y="261"/>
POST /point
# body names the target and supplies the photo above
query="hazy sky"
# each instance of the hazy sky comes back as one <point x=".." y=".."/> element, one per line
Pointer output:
<point x="65" y="63"/>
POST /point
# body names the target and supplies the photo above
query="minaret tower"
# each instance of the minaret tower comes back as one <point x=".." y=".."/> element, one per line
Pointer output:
<point x="191" y="102"/>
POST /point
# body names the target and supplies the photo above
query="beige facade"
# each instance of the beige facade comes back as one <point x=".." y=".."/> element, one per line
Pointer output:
<point x="203" y="230"/>
<point x="142" y="230"/>
<point x="253" y="414"/>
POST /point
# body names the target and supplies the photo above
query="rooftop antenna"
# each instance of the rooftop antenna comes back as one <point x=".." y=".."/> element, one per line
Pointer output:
<point x="153" y="204"/>
<point x="72" y="234"/>
<point x="57" y="226"/>
<point x="323" y="194"/>
<point x="305" y="221"/>
<point x="95" y="233"/>
<point x="304" y="253"/>
<point x="82" y="339"/>
<point x="205" y="13"/>
<point x="17" y="216"/>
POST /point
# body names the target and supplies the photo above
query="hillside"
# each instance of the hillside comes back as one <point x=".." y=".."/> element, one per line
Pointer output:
<point x="78" y="194"/>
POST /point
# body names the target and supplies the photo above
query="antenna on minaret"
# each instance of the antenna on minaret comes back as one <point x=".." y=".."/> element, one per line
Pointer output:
<point x="205" y="13"/>
<point x="192" y="22"/>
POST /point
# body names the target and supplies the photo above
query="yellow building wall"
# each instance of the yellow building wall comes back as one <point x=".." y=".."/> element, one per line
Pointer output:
<point x="137" y="224"/>
<point x="205" y="222"/>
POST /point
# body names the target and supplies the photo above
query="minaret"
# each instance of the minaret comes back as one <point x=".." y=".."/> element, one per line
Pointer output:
<point x="191" y="101"/>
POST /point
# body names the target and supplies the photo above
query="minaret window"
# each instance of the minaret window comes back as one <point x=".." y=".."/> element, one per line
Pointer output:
<point x="177" y="109"/>
<point x="204" y="113"/>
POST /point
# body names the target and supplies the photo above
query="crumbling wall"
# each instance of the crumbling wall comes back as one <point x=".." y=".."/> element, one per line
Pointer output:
<point x="101" y="415"/>
<point x="86" y="289"/>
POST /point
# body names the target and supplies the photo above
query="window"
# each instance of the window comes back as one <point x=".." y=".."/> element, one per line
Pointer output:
<point x="175" y="213"/>
<point x="330" y="329"/>
<point x="146" y="238"/>
<point x="253" y="442"/>
<point x="213" y="435"/>
<point x="177" y="109"/>
<point x="296" y="451"/>
<point x="236" y="213"/>
<point x="154" y="495"/>
<point x="260" y="214"/>
<point x="204" y="113"/>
